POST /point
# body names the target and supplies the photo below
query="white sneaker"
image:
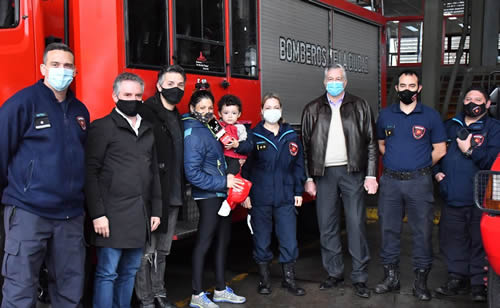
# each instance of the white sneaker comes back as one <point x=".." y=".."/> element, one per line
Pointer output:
<point x="201" y="301"/>
<point x="225" y="209"/>
<point x="228" y="296"/>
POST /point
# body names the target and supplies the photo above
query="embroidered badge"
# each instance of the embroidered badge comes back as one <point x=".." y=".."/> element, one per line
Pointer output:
<point x="478" y="139"/>
<point x="418" y="131"/>
<point x="294" y="148"/>
<point x="81" y="121"/>
<point x="261" y="146"/>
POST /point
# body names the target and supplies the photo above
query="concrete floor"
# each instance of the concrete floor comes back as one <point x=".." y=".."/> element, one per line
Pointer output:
<point x="241" y="273"/>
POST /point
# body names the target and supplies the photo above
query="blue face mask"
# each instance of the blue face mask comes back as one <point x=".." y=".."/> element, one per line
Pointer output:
<point x="334" y="88"/>
<point x="60" y="78"/>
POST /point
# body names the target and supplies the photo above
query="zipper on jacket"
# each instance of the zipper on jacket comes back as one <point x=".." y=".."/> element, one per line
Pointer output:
<point x="218" y="167"/>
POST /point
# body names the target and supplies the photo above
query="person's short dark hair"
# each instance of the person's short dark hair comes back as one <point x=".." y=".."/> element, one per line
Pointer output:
<point x="126" y="76"/>
<point x="56" y="46"/>
<point x="229" y="100"/>
<point x="198" y="96"/>
<point x="409" y="73"/>
<point x="170" y="69"/>
<point x="479" y="89"/>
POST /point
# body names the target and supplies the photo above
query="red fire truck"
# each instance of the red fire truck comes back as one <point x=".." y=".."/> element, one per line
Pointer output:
<point x="241" y="47"/>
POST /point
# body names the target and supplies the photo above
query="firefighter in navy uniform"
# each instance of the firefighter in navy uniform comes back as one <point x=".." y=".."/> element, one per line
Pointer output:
<point x="473" y="145"/>
<point x="411" y="139"/>
<point x="276" y="169"/>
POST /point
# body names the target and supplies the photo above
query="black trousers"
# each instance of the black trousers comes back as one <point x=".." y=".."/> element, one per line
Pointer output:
<point x="211" y="226"/>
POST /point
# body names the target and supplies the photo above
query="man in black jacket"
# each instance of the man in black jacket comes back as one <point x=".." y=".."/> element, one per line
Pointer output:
<point x="341" y="155"/>
<point x="123" y="192"/>
<point x="161" y="111"/>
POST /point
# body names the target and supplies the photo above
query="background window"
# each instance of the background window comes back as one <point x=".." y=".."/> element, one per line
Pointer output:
<point x="454" y="27"/>
<point x="147" y="39"/>
<point x="200" y="35"/>
<point x="244" y="38"/>
<point x="411" y="42"/>
<point x="392" y="28"/>
<point x="9" y="13"/>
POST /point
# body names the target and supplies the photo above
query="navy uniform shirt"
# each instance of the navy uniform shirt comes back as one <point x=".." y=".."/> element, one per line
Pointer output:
<point x="409" y="137"/>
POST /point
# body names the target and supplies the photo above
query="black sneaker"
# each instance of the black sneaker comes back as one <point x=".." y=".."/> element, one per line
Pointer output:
<point x="454" y="285"/>
<point x="330" y="282"/>
<point x="478" y="293"/>
<point x="361" y="290"/>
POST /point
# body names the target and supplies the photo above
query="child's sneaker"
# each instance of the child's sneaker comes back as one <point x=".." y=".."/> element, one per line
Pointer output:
<point x="201" y="301"/>
<point x="225" y="209"/>
<point x="228" y="296"/>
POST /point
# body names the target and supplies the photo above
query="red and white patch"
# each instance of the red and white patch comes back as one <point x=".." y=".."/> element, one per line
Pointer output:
<point x="418" y="131"/>
<point x="81" y="121"/>
<point x="478" y="139"/>
<point x="294" y="148"/>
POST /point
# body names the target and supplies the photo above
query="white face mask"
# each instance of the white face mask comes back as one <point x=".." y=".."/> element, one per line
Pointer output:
<point x="272" y="115"/>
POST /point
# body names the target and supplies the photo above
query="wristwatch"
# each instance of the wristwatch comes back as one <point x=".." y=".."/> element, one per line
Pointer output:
<point x="468" y="153"/>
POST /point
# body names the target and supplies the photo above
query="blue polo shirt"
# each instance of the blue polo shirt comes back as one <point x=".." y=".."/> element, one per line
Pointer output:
<point x="409" y="137"/>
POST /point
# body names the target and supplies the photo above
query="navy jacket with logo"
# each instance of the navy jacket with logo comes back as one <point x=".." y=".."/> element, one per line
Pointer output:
<point x="457" y="186"/>
<point x="204" y="163"/>
<point x="42" y="156"/>
<point x="275" y="167"/>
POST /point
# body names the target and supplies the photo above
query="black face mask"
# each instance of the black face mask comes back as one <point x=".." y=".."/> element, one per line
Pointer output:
<point x="172" y="95"/>
<point x="128" y="107"/>
<point x="474" y="110"/>
<point x="203" y="118"/>
<point x="406" y="96"/>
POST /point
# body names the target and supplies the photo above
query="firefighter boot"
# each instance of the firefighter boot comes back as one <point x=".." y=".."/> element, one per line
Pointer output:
<point x="420" y="289"/>
<point x="265" y="279"/>
<point x="289" y="279"/>
<point x="390" y="281"/>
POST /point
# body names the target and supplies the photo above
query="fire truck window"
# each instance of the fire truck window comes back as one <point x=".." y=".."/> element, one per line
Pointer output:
<point x="147" y="39"/>
<point x="244" y="38"/>
<point x="200" y="35"/>
<point x="9" y="13"/>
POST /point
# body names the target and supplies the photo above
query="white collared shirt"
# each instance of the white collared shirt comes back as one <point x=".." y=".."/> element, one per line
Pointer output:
<point x="137" y="121"/>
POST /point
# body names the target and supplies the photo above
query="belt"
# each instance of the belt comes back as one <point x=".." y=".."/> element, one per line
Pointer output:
<point x="407" y="175"/>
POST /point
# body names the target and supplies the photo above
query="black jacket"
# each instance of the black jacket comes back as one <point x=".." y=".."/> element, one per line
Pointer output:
<point x="169" y="153"/>
<point x="122" y="180"/>
<point x="358" y="124"/>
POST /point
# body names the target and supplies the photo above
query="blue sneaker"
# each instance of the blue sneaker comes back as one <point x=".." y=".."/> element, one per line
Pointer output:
<point x="228" y="296"/>
<point x="201" y="301"/>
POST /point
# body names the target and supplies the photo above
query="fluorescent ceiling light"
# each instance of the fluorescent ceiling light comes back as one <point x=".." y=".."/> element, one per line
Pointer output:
<point x="452" y="18"/>
<point x="461" y="25"/>
<point x="412" y="28"/>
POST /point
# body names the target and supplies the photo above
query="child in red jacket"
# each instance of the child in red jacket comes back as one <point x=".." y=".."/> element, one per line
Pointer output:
<point x="235" y="152"/>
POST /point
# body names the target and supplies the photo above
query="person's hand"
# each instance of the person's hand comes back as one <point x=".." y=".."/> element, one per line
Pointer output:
<point x="464" y="145"/>
<point x="234" y="183"/>
<point x="371" y="185"/>
<point x="155" y="222"/>
<point x="298" y="201"/>
<point x="101" y="226"/>
<point x="241" y="160"/>
<point x="439" y="176"/>
<point x="247" y="203"/>
<point x="233" y="144"/>
<point x="310" y="188"/>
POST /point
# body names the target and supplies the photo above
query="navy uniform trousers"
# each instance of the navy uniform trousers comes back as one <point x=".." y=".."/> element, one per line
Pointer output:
<point x="30" y="241"/>
<point x="460" y="242"/>
<point x="417" y="195"/>
<point x="285" y="224"/>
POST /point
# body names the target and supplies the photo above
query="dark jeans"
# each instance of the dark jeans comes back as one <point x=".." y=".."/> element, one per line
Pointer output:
<point x="114" y="276"/>
<point x="32" y="240"/>
<point x="417" y="196"/>
<point x="211" y="226"/>
<point x="337" y="180"/>
<point x="460" y="242"/>
<point x="150" y="279"/>
<point x="285" y="223"/>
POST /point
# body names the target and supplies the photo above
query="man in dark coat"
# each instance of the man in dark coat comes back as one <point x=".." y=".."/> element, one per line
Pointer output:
<point x="160" y="110"/>
<point x="123" y="192"/>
